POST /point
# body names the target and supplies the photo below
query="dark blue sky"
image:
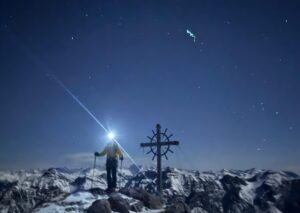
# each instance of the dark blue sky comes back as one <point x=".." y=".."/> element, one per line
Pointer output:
<point x="232" y="98"/>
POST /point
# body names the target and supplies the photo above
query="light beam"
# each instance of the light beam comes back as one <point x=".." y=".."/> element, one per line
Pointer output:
<point x="61" y="84"/>
<point x="48" y="73"/>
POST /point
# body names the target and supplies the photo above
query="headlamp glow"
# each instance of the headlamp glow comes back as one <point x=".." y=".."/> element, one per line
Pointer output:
<point x="111" y="135"/>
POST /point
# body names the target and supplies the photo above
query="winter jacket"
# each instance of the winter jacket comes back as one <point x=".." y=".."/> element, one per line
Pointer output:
<point x="112" y="151"/>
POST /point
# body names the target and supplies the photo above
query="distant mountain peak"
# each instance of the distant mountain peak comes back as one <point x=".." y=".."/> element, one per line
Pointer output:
<point x="223" y="191"/>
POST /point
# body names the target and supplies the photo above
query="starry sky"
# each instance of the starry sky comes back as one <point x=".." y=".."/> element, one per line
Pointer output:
<point x="229" y="90"/>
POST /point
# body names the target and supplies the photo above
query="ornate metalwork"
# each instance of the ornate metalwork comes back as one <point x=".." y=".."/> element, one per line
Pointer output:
<point x="159" y="146"/>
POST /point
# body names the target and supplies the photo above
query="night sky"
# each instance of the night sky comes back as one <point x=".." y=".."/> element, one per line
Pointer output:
<point x="231" y="97"/>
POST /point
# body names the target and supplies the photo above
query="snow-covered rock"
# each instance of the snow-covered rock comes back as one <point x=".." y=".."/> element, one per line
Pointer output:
<point x="69" y="190"/>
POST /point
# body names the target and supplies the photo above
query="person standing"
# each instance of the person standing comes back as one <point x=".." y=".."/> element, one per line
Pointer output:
<point x="113" y="152"/>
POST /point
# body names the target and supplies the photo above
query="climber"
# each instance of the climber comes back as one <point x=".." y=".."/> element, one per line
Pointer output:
<point x="113" y="152"/>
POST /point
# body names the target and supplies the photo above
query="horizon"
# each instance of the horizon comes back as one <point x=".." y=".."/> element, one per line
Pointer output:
<point x="146" y="168"/>
<point x="101" y="165"/>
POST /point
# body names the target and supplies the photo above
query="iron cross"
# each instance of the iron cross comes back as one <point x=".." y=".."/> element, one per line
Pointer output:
<point x="159" y="145"/>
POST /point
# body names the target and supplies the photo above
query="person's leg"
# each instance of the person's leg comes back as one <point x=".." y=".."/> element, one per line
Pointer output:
<point x="114" y="173"/>
<point x="108" y="174"/>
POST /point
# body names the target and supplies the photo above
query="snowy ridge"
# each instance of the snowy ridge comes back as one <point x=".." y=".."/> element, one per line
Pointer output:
<point x="68" y="190"/>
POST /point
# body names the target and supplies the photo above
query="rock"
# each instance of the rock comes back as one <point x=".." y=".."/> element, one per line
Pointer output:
<point x="290" y="200"/>
<point x="99" y="206"/>
<point x="6" y="185"/>
<point x="118" y="203"/>
<point x="293" y="201"/>
<point x="232" y="201"/>
<point x="97" y="191"/>
<point x="178" y="206"/>
<point x="137" y="206"/>
<point x="230" y="182"/>
<point x="217" y="192"/>
<point x="79" y="181"/>
<point x="151" y="201"/>
<point x="198" y="210"/>
<point x="206" y="194"/>
<point x="261" y="203"/>
<point x="204" y="200"/>
<point x="151" y="174"/>
<point x="264" y="194"/>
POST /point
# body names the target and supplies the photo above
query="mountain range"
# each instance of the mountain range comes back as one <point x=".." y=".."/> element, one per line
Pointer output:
<point x="83" y="190"/>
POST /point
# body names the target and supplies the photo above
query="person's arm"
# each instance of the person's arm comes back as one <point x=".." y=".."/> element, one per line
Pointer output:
<point x="99" y="154"/>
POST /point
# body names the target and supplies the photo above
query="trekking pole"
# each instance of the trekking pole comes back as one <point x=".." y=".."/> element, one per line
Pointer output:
<point x="93" y="174"/>
<point x="120" y="174"/>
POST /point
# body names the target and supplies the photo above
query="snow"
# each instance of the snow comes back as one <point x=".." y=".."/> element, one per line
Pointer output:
<point x="52" y="208"/>
<point x="274" y="179"/>
<point x="4" y="210"/>
<point x="7" y="177"/>
<point x="12" y="176"/>
<point x="176" y="184"/>
<point x="79" y="197"/>
<point x="75" y="203"/>
<point x="74" y="196"/>
<point x="84" y="199"/>
<point x="126" y="172"/>
<point x="273" y="209"/>
<point x="152" y="211"/>
<point x="247" y="192"/>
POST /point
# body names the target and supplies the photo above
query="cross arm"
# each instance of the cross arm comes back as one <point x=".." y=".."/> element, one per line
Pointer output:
<point x="161" y="144"/>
